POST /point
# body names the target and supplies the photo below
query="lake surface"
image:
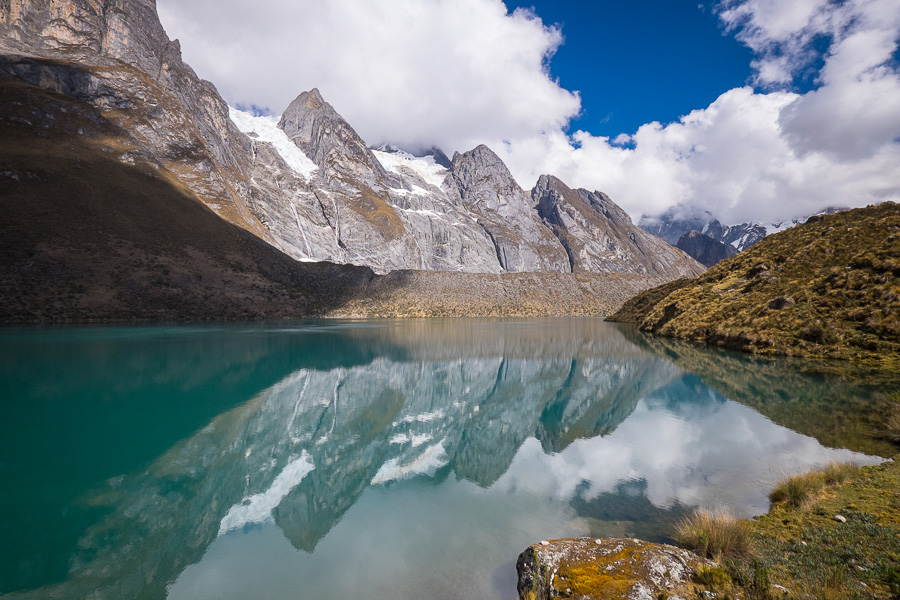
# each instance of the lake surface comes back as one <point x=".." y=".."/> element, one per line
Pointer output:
<point x="377" y="459"/>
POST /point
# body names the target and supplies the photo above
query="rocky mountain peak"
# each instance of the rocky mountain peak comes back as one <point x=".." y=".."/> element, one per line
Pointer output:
<point x="599" y="236"/>
<point x="483" y="179"/>
<point x="478" y="163"/>
<point x="329" y="140"/>
<point x="313" y="99"/>
<point x="548" y="185"/>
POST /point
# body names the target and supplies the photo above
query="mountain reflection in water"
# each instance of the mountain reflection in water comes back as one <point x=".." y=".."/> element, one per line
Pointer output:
<point x="390" y="459"/>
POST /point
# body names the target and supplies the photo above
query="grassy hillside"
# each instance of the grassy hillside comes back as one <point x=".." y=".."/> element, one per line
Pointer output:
<point x="829" y="288"/>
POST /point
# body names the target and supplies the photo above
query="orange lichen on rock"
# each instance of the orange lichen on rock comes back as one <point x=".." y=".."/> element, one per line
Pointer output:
<point x="588" y="568"/>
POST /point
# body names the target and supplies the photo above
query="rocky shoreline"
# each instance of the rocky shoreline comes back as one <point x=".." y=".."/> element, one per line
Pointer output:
<point x="843" y="542"/>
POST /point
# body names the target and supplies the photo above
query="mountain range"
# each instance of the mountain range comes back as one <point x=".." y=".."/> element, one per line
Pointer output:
<point x="705" y="238"/>
<point x="117" y="157"/>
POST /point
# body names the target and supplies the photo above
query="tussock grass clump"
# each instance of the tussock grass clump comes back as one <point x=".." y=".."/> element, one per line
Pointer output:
<point x="714" y="535"/>
<point x="802" y="491"/>
<point x="798" y="491"/>
<point x="711" y="577"/>
<point x="892" y="419"/>
<point x="836" y="473"/>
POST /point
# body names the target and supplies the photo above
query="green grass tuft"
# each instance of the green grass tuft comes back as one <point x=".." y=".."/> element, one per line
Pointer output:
<point x="798" y="491"/>
<point x="802" y="491"/>
<point x="836" y="473"/>
<point x="714" y="535"/>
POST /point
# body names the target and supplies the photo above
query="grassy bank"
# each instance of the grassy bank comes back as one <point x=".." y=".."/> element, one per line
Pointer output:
<point x="826" y="289"/>
<point x="829" y="534"/>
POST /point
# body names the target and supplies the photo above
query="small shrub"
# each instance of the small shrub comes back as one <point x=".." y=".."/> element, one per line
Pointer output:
<point x="711" y="577"/>
<point x="833" y="585"/>
<point x="798" y="491"/>
<point x="714" y="535"/>
<point x="753" y="578"/>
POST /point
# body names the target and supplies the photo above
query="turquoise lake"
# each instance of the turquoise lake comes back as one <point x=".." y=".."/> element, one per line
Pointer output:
<point x="377" y="459"/>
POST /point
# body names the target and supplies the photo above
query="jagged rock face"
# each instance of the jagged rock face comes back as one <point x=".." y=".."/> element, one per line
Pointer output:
<point x="330" y="142"/>
<point x="705" y="249"/>
<point x="390" y="220"/>
<point x="116" y="56"/>
<point x="522" y="241"/>
<point x="599" y="236"/>
<point x="471" y="216"/>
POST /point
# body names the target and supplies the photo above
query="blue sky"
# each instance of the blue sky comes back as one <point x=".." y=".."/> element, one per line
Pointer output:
<point x="642" y="60"/>
<point x="751" y="109"/>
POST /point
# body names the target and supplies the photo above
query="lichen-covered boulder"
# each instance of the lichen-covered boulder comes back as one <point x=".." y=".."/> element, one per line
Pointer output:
<point x="607" y="569"/>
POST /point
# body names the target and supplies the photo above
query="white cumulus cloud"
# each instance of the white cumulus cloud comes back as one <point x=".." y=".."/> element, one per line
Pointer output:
<point x="770" y="155"/>
<point x="455" y="73"/>
<point x="410" y="72"/>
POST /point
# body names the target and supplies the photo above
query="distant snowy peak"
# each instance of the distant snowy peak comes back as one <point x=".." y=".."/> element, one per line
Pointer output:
<point x="678" y="221"/>
<point x="265" y="129"/>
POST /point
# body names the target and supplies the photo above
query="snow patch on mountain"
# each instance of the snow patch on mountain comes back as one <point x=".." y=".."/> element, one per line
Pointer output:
<point x="265" y="129"/>
<point x="424" y="166"/>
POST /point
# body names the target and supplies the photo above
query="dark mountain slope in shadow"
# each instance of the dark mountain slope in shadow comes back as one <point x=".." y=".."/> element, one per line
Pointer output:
<point x="85" y="236"/>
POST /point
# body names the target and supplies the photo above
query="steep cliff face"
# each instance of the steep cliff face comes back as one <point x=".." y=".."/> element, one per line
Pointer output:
<point x="116" y="56"/>
<point x="308" y="184"/>
<point x="522" y="241"/>
<point x="387" y="218"/>
<point x="330" y="142"/>
<point x="599" y="236"/>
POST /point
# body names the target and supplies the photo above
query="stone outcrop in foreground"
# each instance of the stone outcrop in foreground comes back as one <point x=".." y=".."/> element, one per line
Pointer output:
<point x="601" y="569"/>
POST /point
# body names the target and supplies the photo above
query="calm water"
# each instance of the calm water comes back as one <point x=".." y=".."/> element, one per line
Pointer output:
<point x="376" y="459"/>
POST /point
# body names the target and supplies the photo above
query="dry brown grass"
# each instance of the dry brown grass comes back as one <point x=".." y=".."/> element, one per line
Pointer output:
<point x="828" y="288"/>
<point x="892" y="419"/>
<point x="802" y="491"/>
<point x="714" y="535"/>
<point x="833" y="585"/>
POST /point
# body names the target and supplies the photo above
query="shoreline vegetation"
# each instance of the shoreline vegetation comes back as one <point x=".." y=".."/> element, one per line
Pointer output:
<point x="832" y="533"/>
